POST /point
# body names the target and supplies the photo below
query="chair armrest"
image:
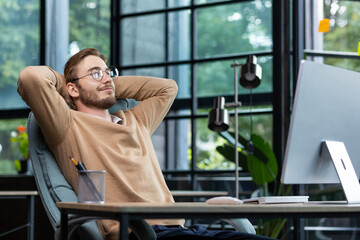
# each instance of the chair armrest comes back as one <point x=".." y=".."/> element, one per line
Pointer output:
<point x="241" y="225"/>
<point x="141" y="228"/>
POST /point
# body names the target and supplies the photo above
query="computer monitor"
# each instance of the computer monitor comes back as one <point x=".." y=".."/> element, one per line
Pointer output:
<point x="326" y="108"/>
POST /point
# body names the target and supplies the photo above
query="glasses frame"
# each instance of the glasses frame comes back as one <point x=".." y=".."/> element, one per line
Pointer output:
<point x="111" y="71"/>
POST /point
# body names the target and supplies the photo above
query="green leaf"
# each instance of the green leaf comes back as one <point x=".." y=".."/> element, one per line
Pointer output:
<point x="17" y="165"/>
<point x="228" y="151"/>
<point x="262" y="164"/>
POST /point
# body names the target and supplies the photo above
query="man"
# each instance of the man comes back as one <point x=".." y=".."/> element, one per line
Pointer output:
<point x="120" y="143"/>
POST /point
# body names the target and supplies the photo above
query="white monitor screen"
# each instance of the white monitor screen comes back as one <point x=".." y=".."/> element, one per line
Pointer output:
<point x="326" y="107"/>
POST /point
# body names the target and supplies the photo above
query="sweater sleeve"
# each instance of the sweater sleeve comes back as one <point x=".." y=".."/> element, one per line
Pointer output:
<point x="156" y="96"/>
<point x="43" y="89"/>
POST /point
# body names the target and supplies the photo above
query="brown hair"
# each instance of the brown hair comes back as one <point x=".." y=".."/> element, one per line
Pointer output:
<point x="71" y="66"/>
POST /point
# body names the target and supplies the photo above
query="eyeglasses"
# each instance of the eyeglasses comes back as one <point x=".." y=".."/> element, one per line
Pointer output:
<point x="97" y="74"/>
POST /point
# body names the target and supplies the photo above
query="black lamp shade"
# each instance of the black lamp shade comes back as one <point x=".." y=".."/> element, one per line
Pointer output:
<point x="218" y="116"/>
<point x="251" y="73"/>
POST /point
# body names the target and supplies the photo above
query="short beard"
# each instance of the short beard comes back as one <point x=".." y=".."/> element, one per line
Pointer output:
<point x="91" y="99"/>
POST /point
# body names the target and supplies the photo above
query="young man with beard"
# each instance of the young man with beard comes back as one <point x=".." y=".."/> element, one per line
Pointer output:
<point x="119" y="143"/>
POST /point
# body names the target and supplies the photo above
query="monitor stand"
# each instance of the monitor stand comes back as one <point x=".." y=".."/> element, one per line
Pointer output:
<point x="344" y="169"/>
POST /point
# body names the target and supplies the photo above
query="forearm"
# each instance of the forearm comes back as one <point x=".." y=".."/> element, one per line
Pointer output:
<point x="141" y="88"/>
<point x="156" y="96"/>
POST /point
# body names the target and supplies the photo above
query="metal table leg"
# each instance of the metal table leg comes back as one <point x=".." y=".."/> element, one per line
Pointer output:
<point x="31" y="216"/>
<point x="64" y="225"/>
<point x="124" y="225"/>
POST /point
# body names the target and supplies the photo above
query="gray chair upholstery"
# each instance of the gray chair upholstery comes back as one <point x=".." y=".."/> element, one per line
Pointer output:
<point x="53" y="187"/>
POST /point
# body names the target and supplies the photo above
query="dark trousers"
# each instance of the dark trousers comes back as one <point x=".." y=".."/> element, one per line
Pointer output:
<point x="199" y="233"/>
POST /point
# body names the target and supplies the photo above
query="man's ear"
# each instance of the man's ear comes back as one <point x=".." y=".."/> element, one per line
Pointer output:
<point x="72" y="90"/>
<point x="69" y="98"/>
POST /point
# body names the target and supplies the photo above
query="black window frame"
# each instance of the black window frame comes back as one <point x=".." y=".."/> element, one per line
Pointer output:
<point x="279" y="98"/>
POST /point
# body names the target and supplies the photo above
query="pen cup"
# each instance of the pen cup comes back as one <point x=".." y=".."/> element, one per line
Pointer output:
<point x="91" y="186"/>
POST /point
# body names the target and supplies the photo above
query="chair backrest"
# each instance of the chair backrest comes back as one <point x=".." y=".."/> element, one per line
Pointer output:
<point x="52" y="185"/>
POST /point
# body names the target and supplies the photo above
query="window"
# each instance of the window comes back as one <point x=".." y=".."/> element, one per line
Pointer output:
<point x="75" y="25"/>
<point x="339" y="46"/>
<point x="89" y="26"/>
<point x="68" y="27"/>
<point x="195" y="44"/>
<point x="19" y="47"/>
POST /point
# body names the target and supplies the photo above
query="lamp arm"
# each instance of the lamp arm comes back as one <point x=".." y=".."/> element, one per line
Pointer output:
<point x="233" y="104"/>
<point x="236" y="103"/>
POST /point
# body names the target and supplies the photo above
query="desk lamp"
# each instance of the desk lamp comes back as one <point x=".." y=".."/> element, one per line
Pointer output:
<point x="218" y="119"/>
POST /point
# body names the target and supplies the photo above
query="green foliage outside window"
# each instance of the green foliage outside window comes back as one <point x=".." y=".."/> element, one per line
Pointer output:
<point x="231" y="29"/>
<point x="19" y="46"/>
<point x="227" y="30"/>
<point x="89" y="24"/>
<point x="344" y="34"/>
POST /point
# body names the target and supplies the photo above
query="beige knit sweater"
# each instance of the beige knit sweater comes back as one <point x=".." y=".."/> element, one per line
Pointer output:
<point x="125" y="151"/>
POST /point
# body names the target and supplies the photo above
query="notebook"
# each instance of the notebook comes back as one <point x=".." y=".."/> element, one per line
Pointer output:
<point x="277" y="199"/>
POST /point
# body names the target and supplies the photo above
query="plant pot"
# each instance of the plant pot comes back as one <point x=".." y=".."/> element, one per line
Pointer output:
<point x="23" y="166"/>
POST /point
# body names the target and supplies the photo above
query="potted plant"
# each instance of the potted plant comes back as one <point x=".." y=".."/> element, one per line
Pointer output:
<point x="21" y="138"/>
<point x="257" y="157"/>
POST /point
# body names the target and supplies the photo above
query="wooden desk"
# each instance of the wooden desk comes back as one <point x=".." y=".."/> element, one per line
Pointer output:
<point x="131" y="211"/>
<point x="30" y="195"/>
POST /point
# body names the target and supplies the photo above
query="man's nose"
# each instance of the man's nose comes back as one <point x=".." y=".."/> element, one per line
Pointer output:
<point x="106" y="78"/>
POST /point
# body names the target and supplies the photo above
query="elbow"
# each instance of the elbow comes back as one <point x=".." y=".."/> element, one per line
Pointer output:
<point x="174" y="86"/>
<point x="25" y="78"/>
<point x="28" y="74"/>
<point x="25" y="74"/>
<point x="34" y="75"/>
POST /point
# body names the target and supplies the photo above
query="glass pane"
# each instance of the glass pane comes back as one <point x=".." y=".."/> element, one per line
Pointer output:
<point x="346" y="63"/>
<point x="179" y="36"/>
<point x="159" y="141"/>
<point x="262" y="124"/>
<point x="217" y="78"/>
<point x="143" y="39"/>
<point x="234" y="28"/>
<point x="178" y="144"/>
<point x="181" y="74"/>
<point x="208" y="1"/>
<point x="206" y="142"/>
<point x="132" y="6"/>
<point x="153" y="72"/>
<point x="344" y="33"/>
<point x="19" y="46"/>
<point x="9" y="151"/>
<point x="226" y="182"/>
<point x="89" y="25"/>
<point x="178" y="3"/>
